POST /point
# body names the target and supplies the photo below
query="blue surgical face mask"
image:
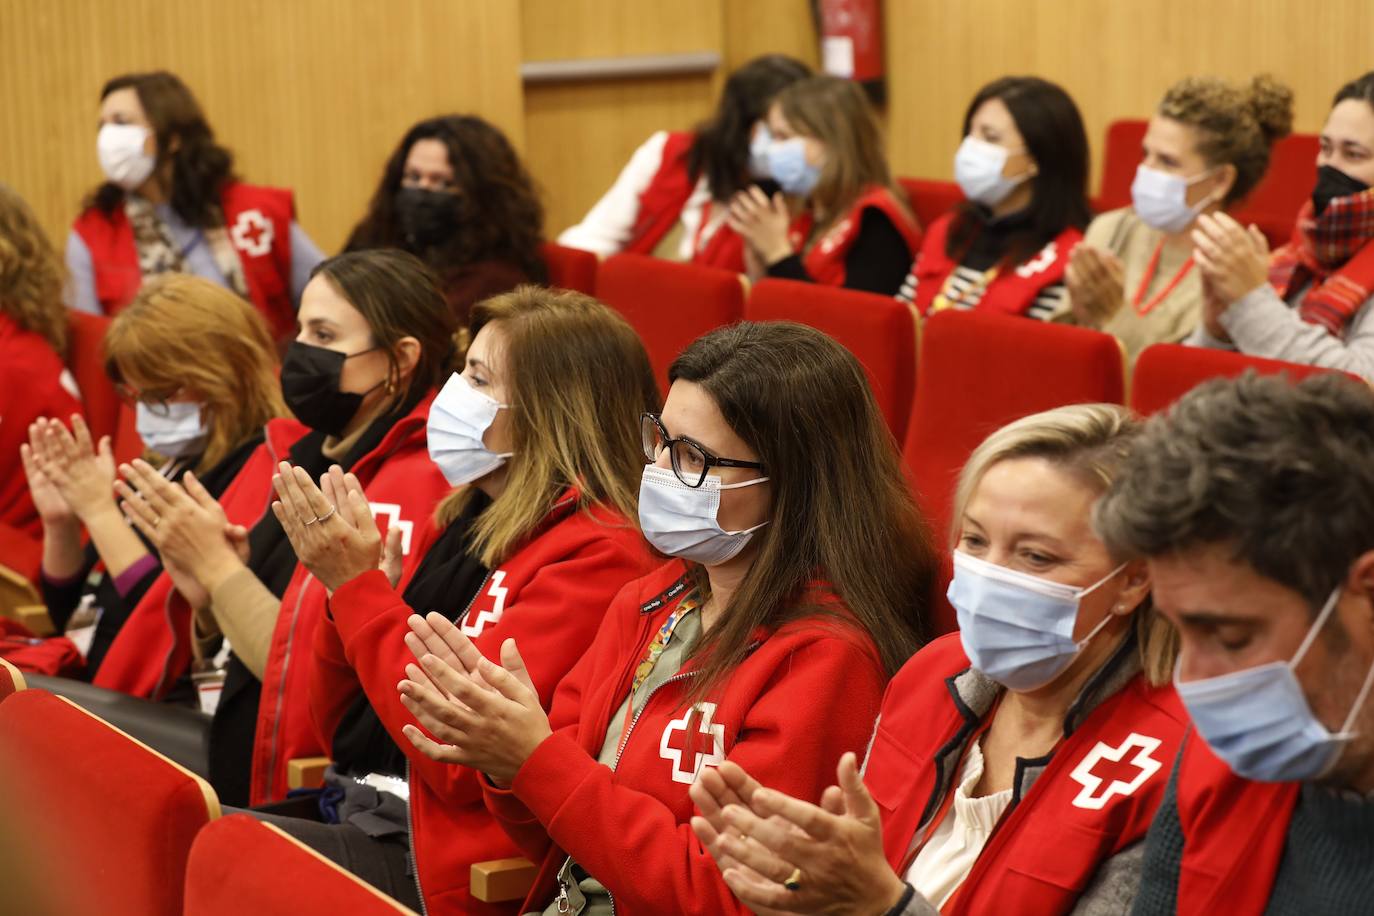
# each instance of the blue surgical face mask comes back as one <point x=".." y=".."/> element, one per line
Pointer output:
<point x="681" y="521"/>
<point x="458" y="419"/>
<point x="1161" y="199"/>
<point x="758" y="152"/>
<point x="789" y="167"/>
<point x="174" y="430"/>
<point x="978" y="169"/>
<point x="1017" y="628"/>
<point x="1259" y="722"/>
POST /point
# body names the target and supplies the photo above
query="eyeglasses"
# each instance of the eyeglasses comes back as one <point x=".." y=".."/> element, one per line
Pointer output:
<point x="690" y="461"/>
<point x="158" y="403"/>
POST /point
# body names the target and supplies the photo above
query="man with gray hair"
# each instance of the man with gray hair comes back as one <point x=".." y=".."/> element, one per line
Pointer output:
<point x="1253" y="502"/>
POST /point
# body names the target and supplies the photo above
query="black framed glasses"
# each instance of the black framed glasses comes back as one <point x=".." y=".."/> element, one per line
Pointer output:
<point x="157" y="403"/>
<point x="690" y="460"/>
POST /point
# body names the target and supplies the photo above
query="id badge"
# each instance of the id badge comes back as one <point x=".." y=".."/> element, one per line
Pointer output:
<point x="209" y="683"/>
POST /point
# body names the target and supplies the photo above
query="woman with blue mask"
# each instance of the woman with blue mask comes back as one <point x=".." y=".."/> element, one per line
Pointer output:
<point x="1023" y="167"/>
<point x="196" y="364"/>
<point x="797" y="580"/>
<point x="1206" y="147"/>
<point x="838" y="218"/>
<point x="1018" y="760"/>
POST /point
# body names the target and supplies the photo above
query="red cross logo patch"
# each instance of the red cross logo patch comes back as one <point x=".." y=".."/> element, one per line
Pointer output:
<point x="1107" y="771"/>
<point x="474" y="625"/>
<point x="252" y="233"/>
<point x="388" y="515"/>
<point x="707" y="729"/>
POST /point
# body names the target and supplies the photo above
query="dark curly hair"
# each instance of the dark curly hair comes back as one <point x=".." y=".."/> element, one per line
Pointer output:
<point x="200" y="166"/>
<point x="501" y="218"/>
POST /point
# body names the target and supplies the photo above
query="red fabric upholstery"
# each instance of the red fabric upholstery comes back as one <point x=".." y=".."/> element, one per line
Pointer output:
<point x="110" y="820"/>
<point x="975" y="374"/>
<point x="241" y="865"/>
<point x="86" y="362"/>
<point x="22" y="552"/>
<point x="570" y="268"/>
<point x="1120" y="156"/>
<point x="668" y="303"/>
<point x="56" y="656"/>
<point x="1166" y="372"/>
<point x="11" y="679"/>
<point x="879" y="330"/>
<point x="931" y="198"/>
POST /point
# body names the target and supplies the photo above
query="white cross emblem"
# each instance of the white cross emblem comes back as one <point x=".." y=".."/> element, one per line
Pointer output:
<point x="252" y="233"/>
<point x="392" y="513"/>
<point x="708" y="728"/>
<point x="1094" y="797"/>
<point x="1040" y="262"/>
<point x="498" y="593"/>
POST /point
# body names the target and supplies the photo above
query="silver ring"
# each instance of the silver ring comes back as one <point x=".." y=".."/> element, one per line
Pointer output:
<point x="326" y="516"/>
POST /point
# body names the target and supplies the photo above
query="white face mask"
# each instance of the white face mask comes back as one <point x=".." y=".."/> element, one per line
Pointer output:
<point x="1161" y="199"/>
<point x="120" y="150"/>
<point x="458" y="419"/>
<point x="175" y="430"/>
<point x="681" y="521"/>
<point x="978" y="169"/>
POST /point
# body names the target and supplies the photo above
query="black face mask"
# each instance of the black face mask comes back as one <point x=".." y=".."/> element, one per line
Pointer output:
<point x="310" y="387"/>
<point x="1333" y="183"/>
<point x="427" y="218"/>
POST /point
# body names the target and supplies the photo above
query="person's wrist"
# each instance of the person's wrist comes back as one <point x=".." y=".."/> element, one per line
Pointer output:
<point x="216" y="569"/>
<point x="776" y="253"/>
<point x="97" y="512"/>
<point x="892" y="890"/>
<point x="63" y="525"/>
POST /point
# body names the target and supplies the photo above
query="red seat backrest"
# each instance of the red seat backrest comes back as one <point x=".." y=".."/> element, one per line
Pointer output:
<point x="975" y="374"/>
<point x="110" y="820"/>
<point x="242" y="865"/>
<point x="668" y="303"/>
<point x="1120" y="156"/>
<point x="570" y="268"/>
<point x="931" y="198"/>
<point x="880" y="331"/>
<point x="11" y="679"/>
<point x="1165" y="372"/>
<point x="86" y="362"/>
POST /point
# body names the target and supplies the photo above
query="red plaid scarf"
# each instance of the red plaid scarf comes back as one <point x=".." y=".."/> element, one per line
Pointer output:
<point x="1334" y="253"/>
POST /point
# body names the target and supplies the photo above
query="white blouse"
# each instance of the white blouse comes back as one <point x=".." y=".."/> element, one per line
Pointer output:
<point x="948" y="856"/>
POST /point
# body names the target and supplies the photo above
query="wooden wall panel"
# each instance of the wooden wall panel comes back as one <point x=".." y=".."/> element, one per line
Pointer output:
<point x="310" y="94"/>
<point x="1115" y="57"/>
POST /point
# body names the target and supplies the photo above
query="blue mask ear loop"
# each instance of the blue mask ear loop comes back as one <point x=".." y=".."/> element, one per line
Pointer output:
<point x="1360" y="698"/>
<point x="1082" y="643"/>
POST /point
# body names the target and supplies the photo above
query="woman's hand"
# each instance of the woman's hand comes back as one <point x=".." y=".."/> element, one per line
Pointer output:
<point x="53" y="510"/>
<point x="82" y="473"/>
<point x="1213" y="307"/>
<point x="185" y="523"/>
<point x="1233" y="260"/>
<point x="836" y="847"/>
<point x="763" y="223"/>
<point x="332" y="529"/>
<point x="1096" y="286"/>
<point x="484" y="716"/>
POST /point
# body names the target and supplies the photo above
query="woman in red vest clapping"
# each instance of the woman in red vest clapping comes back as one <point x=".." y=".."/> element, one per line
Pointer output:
<point x="838" y="218"/>
<point x="171" y="202"/>
<point x="1021" y="759"/>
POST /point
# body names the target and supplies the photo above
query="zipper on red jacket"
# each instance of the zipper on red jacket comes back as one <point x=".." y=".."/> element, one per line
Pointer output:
<point x="410" y="851"/>
<point x="269" y="776"/>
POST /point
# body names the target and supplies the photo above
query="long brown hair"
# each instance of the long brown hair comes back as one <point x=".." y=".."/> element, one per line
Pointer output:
<point x="200" y="166"/>
<point x="31" y="273"/>
<point x="837" y="112"/>
<point x="578" y="380"/>
<point x="184" y="332"/>
<point x="842" y="511"/>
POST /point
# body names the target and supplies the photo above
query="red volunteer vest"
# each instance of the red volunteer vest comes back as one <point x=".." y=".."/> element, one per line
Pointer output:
<point x="1096" y="796"/>
<point x="1234" y="831"/>
<point x="258" y="220"/>
<point x="825" y="261"/>
<point x="1012" y="291"/>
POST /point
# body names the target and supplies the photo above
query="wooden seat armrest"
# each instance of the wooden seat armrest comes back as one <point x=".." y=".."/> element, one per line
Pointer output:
<point x="306" y="772"/>
<point x="502" y="880"/>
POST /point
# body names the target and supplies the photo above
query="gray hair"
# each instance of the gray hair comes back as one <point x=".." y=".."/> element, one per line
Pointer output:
<point x="1283" y="472"/>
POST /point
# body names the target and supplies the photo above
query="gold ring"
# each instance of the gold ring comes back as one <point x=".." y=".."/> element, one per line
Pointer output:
<point x="793" y="882"/>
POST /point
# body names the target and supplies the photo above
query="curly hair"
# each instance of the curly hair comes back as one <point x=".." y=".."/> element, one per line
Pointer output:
<point x="500" y="216"/>
<point x="1235" y="125"/>
<point x="31" y="272"/>
<point x="200" y="166"/>
<point x="1279" y="472"/>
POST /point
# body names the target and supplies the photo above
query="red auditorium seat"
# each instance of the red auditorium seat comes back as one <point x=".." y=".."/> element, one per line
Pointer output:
<point x="879" y="330"/>
<point x="931" y="198"/>
<point x="11" y="679"/>
<point x="570" y="268"/>
<point x="241" y="865"/>
<point x="668" y="303"/>
<point x="104" y="412"/>
<point x="110" y="820"/>
<point x="1166" y="372"/>
<point x="976" y="373"/>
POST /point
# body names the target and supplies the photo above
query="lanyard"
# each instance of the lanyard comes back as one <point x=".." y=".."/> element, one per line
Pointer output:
<point x="943" y="299"/>
<point x="1150" y="269"/>
<point x="657" y="644"/>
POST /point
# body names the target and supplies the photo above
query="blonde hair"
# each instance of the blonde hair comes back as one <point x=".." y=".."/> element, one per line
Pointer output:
<point x="1234" y="125"/>
<point x="1089" y="442"/>
<point x="836" y="112"/>
<point x="577" y="379"/>
<point x="185" y="332"/>
<point x="31" y="273"/>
